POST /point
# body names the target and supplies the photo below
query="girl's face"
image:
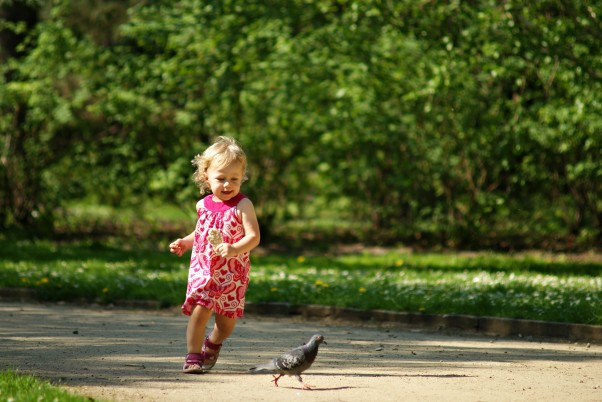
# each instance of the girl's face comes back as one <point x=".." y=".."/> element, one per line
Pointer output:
<point x="225" y="181"/>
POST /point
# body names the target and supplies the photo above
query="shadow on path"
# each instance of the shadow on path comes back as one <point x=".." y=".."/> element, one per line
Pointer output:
<point x="133" y="350"/>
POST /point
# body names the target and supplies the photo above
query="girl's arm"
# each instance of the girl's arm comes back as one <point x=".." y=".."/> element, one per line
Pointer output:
<point x="180" y="246"/>
<point x="252" y="236"/>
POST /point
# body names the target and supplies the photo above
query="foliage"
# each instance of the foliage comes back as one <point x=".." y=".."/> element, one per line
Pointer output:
<point x="484" y="284"/>
<point x="467" y="124"/>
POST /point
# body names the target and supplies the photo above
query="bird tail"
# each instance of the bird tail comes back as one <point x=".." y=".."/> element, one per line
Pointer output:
<point x="262" y="368"/>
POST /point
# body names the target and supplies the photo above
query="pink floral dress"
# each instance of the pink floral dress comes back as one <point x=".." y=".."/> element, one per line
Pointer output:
<point x="216" y="282"/>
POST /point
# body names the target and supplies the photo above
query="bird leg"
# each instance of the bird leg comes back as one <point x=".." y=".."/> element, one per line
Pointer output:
<point x="305" y="386"/>
<point x="275" y="380"/>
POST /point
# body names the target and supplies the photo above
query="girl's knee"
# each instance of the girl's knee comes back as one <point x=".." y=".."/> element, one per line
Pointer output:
<point x="200" y="314"/>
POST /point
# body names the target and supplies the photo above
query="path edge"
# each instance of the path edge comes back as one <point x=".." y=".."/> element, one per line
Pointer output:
<point x="492" y="326"/>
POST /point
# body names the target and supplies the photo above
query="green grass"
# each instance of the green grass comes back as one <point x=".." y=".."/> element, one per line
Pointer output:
<point x="26" y="388"/>
<point x="484" y="284"/>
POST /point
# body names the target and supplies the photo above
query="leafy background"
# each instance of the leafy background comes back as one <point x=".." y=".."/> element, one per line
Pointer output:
<point x="463" y="124"/>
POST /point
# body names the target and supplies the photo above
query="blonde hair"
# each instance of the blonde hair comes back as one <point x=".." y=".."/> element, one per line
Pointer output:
<point x="224" y="151"/>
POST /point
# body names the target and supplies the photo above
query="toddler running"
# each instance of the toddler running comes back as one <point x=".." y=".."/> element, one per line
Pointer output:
<point x="226" y="231"/>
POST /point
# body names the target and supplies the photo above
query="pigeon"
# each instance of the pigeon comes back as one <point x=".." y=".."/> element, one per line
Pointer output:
<point x="293" y="362"/>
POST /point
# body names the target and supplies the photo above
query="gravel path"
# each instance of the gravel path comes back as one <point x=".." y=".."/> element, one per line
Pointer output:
<point x="130" y="355"/>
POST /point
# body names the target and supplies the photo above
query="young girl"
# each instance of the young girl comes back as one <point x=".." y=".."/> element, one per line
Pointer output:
<point x="225" y="232"/>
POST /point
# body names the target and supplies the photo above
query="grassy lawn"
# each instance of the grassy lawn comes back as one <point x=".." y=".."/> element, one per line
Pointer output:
<point x="485" y="284"/>
<point x="26" y="388"/>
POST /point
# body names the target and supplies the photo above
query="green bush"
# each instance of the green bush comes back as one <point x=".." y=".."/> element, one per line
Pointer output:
<point x="463" y="124"/>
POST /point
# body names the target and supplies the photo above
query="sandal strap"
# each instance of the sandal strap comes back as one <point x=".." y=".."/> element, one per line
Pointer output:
<point x="195" y="358"/>
<point x="211" y="345"/>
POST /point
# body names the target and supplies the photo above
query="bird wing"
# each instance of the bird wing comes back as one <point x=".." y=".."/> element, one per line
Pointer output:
<point x="290" y="360"/>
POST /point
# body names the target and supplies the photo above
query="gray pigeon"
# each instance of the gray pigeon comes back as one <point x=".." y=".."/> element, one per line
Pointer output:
<point x="294" y="362"/>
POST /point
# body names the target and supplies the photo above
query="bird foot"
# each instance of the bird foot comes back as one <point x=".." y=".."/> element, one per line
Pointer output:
<point x="275" y="380"/>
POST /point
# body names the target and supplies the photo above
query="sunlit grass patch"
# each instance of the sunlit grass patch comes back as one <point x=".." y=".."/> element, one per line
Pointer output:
<point x="436" y="284"/>
<point x="97" y="274"/>
<point x="25" y="388"/>
<point x="480" y="284"/>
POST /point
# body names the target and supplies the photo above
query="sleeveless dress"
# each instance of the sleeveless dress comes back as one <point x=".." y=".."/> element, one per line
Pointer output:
<point x="216" y="282"/>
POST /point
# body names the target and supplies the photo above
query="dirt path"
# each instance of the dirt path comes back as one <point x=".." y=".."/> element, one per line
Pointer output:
<point x="127" y="355"/>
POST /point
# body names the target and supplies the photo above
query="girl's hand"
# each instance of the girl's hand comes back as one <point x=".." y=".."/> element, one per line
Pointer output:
<point x="178" y="247"/>
<point x="226" y="250"/>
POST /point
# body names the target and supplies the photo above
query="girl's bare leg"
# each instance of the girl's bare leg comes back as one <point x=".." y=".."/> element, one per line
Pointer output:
<point x="195" y="332"/>
<point x="222" y="329"/>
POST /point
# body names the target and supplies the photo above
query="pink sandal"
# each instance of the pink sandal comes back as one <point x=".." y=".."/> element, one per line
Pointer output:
<point x="210" y="358"/>
<point x="193" y="363"/>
